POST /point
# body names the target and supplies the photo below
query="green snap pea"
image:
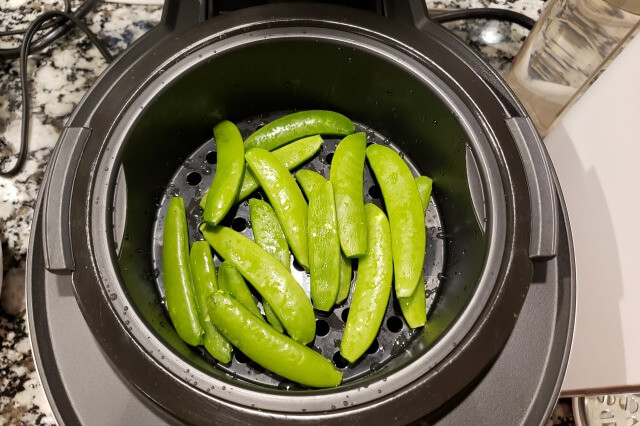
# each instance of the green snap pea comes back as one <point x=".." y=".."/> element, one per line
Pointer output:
<point x="347" y="174"/>
<point x="176" y="273"/>
<point x="298" y="125"/>
<point x="308" y="180"/>
<point x="345" y="278"/>
<point x="372" y="289"/>
<point x="406" y="219"/>
<point x="414" y="307"/>
<point x="291" y="155"/>
<point x="204" y="279"/>
<point x="231" y="281"/>
<point x="272" y="317"/>
<point x="269" y="348"/>
<point x="424" y="185"/>
<point x="286" y="199"/>
<point x="275" y="284"/>
<point x="268" y="234"/>
<point x="229" y="172"/>
<point x="324" y="247"/>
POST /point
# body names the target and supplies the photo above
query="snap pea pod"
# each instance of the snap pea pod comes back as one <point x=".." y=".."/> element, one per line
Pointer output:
<point x="275" y="284"/>
<point x="204" y="279"/>
<point x="268" y="234"/>
<point x="324" y="247"/>
<point x="347" y="174"/>
<point x="291" y="155"/>
<point x="298" y="125"/>
<point x="345" y="278"/>
<point x="308" y="180"/>
<point x="226" y="182"/>
<point x="231" y="281"/>
<point x="286" y="199"/>
<point x="272" y="317"/>
<point x="176" y="274"/>
<point x="269" y="348"/>
<point x="424" y="185"/>
<point x="414" y="307"/>
<point x="406" y="219"/>
<point x="372" y="289"/>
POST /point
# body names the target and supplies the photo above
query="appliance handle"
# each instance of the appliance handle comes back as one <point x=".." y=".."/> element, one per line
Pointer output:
<point x="186" y="13"/>
<point x="58" y="253"/>
<point x="178" y="14"/>
<point x="543" y="195"/>
<point x="413" y="13"/>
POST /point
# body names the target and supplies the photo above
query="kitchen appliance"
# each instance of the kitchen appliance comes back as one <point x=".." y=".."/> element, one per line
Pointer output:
<point x="502" y="272"/>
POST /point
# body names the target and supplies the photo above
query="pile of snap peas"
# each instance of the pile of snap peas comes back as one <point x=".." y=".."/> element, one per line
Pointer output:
<point x="325" y="224"/>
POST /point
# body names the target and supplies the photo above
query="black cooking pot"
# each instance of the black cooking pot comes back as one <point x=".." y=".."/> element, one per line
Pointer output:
<point x="142" y="133"/>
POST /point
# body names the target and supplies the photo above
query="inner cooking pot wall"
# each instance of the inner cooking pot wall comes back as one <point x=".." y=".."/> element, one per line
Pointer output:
<point x="286" y="75"/>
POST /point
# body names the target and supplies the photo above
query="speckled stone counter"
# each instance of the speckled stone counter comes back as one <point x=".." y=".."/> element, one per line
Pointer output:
<point x="59" y="76"/>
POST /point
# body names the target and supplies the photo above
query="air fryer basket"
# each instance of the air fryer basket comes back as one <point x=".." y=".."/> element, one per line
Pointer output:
<point x="149" y="136"/>
<point x="195" y="176"/>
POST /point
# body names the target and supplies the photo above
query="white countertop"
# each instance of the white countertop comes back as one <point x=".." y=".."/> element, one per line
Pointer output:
<point x="596" y="153"/>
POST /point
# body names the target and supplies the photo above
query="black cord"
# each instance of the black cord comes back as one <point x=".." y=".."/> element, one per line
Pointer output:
<point x="25" y="51"/>
<point x="485" y="13"/>
<point x="52" y="35"/>
<point x="67" y="8"/>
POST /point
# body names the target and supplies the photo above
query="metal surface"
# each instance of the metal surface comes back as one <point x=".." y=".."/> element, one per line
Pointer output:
<point x="607" y="410"/>
<point x="544" y="233"/>
<point x="119" y="209"/>
<point x="59" y="253"/>
<point x="476" y="189"/>
<point x="510" y="394"/>
<point x="395" y="337"/>
<point x="81" y="385"/>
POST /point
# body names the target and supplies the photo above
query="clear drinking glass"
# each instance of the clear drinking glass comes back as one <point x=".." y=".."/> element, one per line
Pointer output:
<point x="570" y="45"/>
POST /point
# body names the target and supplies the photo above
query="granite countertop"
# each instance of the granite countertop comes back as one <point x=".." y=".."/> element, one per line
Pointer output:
<point x="59" y="76"/>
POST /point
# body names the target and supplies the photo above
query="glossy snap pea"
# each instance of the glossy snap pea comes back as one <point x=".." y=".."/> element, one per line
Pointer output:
<point x="204" y="280"/>
<point x="372" y="289"/>
<point x="286" y="199"/>
<point x="424" y="185"/>
<point x="176" y="273"/>
<point x="298" y="125"/>
<point x="226" y="182"/>
<point x="272" y="317"/>
<point x="345" y="278"/>
<point x="269" y="348"/>
<point x="308" y="180"/>
<point x="406" y="219"/>
<point x="231" y="281"/>
<point x="291" y="155"/>
<point x="275" y="284"/>
<point x="414" y="307"/>
<point x="347" y="174"/>
<point x="267" y="232"/>
<point x="324" y="247"/>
